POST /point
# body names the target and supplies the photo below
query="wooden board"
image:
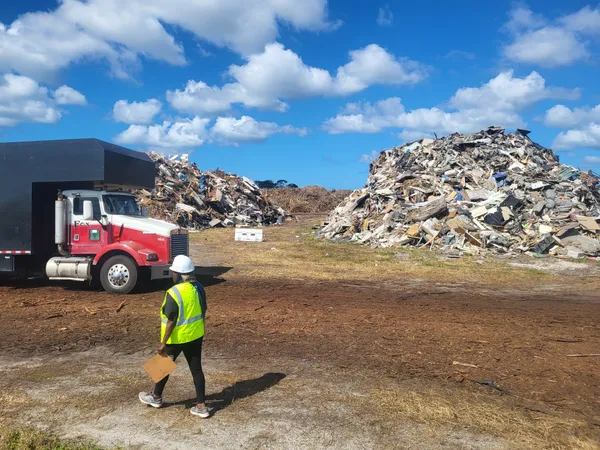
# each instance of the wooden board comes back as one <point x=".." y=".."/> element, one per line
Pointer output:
<point x="159" y="366"/>
<point x="414" y="229"/>
<point x="589" y="223"/>
<point x="431" y="209"/>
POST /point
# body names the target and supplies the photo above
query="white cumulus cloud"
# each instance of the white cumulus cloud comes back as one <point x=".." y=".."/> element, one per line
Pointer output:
<point x="586" y="20"/>
<point x="66" y="95"/>
<point x="374" y="65"/>
<point x="581" y="126"/>
<point x="178" y="134"/>
<point x="199" y="98"/>
<point x="25" y="100"/>
<point x="585" y="137"/>
<point x="195" y="132"/>
<point x="497" y="102"/>
<point x="562" y="42"/>
<point x="522" y="18"/>
<point x="592" y="160"/>
<point x="278" y="74"/>
<point x="137" y="113"/>
<point x="560" y="116"/>
<point x="547" y="47"/>
<point x="233" y="131"/>
<point x="40" y="43"/>
<point x="508" y="92"/>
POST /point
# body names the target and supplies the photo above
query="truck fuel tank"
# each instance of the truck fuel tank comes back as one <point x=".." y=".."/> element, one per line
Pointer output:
<point x="76" y="269"/>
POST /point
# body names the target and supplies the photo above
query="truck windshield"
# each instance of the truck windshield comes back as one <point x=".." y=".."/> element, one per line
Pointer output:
<point x="121" y="204"/>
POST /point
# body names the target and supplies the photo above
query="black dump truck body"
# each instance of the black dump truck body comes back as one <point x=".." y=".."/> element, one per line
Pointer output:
<point x="31" y="173"/>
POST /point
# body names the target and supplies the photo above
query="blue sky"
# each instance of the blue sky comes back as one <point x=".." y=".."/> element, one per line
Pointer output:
<point x="303" y="91"/>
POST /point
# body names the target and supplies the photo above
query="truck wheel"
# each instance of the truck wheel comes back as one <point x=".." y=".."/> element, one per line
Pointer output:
<point x="119" y="275"/>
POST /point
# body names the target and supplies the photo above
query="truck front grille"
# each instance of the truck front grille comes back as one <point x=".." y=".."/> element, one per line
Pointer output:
<point x="179" y="245"/>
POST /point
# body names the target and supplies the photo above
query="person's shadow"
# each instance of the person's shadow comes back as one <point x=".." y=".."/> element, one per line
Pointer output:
<point x="237" y="391"/>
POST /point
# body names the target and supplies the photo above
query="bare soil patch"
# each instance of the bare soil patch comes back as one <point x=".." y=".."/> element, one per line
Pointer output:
<point x="520" y="341"/>
<point x="412" y="339"/>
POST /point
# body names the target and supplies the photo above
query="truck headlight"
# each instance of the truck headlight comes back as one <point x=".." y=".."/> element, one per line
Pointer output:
<point x="151" y="257"/>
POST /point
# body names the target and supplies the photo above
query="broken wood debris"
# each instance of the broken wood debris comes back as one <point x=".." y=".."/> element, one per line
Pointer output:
<point x="457" y="363"/>
<point x="54" y="316"/>
<point x="473" y="193"/>
<point x="196" y="199"/>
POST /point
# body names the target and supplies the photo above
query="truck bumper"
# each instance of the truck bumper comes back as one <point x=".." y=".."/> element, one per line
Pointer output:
<point x="160" y="272"/>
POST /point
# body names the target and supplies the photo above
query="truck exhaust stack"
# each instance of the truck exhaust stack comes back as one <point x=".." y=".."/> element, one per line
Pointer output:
<point x="60" y="224"/>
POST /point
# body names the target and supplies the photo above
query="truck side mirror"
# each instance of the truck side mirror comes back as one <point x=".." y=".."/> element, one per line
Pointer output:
<point x="88" y="210"/>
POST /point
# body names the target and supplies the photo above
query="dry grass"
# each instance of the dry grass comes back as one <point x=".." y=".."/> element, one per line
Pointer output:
<point x="13" y="399"/>
<point x="483" y="414"/>
<point x="293" y="251"/>
<point x="29" y="439"/>
<point x="306" y="200"/>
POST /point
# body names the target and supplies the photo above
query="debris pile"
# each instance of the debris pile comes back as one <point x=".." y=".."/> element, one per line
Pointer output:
<point x="305" y="200"/>
<point x="487" y="191"/>
<point x="196" y="200"/>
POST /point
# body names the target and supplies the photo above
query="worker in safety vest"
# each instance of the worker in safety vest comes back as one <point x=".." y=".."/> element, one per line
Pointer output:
<point x="182" y="329"/>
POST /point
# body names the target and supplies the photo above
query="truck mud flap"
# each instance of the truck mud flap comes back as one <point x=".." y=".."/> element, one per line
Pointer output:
<point x="7" y="263"/>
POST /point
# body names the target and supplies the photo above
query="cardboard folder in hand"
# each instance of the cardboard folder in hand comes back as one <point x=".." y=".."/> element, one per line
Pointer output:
<point x="159" y="366"/>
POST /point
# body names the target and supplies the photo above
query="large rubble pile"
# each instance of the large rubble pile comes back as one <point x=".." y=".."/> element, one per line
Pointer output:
<point x="195" y="199"/>
<point x="306" y="200"/>
<point x="471" y="193"/>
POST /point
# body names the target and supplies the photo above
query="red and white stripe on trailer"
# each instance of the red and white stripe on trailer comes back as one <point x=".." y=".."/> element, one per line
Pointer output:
<point x="15" y="252"/>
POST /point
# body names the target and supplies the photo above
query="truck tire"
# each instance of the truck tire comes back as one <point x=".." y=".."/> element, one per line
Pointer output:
<point x="119" y="275"/>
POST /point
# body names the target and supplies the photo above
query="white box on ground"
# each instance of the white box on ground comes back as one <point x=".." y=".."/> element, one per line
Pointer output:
<point x="249" y="234"/>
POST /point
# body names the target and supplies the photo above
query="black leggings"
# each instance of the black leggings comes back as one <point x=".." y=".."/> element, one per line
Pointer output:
<point x="193" y="354"/>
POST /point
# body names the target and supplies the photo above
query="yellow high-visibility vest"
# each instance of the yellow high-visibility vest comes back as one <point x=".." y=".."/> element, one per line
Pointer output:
<point x="189" y="325"/>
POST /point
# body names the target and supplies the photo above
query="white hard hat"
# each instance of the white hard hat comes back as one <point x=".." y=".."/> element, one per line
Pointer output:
<point x="182" y="264"/>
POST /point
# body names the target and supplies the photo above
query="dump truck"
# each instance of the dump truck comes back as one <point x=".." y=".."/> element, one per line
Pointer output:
<point x="67" y="213"/>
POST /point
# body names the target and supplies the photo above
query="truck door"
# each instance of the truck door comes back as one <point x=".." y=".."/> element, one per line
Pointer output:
<point x="87" y="237"/>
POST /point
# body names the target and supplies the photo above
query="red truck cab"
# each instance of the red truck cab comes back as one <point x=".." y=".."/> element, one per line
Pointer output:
<point x="113" y="234"/>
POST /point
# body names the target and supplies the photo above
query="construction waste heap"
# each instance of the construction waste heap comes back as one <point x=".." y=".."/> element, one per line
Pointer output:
<point x="194" y="199"/>
<point x="466" y="194"/>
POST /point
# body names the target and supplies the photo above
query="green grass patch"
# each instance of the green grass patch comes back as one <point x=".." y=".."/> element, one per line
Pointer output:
<point x="28" y="439"/>
<point x="293" y="251"/>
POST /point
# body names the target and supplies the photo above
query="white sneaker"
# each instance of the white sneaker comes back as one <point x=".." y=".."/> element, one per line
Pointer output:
<point x="204" y="412"/>
<point x="147" y="398"/>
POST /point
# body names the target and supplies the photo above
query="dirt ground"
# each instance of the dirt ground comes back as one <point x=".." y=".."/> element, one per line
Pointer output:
<point x="345" y="339"/>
